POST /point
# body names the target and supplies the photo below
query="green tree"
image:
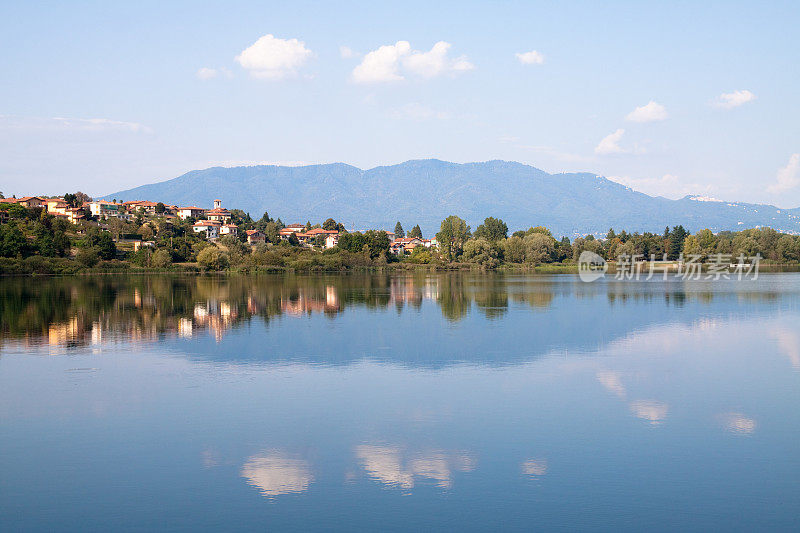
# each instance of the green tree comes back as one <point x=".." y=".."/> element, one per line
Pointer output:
<point x="329" y="225"/>
<point x="271" y="232"/>
<point x="87" y="256"/>
<point x="212" y="258"/>
<point x="377" y="242"/>
<point x="482" y="252"/>
<point x="492" y="229"/>
<point x="398" y="230"/>
<point x="415" y="232"/>
<point x="539" y="248"/>
<point x="453" y="233"/>
<point x="514" y="249"/>
<point x="161" y="258"/>
<point x="160" y="208"/>
<point x="676" y="238"/>
<point x="12" y="241"/>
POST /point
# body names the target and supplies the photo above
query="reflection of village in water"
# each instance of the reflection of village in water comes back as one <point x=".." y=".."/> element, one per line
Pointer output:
<point x="62" y="312"/>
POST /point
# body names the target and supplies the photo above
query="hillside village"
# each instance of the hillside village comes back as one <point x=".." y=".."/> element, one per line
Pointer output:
<point x="137" y="224"/>
<point x="70" y="232"/>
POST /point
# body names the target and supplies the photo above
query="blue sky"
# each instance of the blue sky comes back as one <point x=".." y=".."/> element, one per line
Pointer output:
<point x="101" y="96"/>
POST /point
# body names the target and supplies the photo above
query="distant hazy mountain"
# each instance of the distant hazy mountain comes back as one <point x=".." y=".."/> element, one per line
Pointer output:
<point x="424" y="192"/>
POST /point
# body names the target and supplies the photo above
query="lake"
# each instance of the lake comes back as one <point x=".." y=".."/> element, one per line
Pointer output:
<point x="392" y="402"/>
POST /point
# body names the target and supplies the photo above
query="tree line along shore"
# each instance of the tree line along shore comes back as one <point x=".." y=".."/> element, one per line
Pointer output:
<point x="32" y="241"/>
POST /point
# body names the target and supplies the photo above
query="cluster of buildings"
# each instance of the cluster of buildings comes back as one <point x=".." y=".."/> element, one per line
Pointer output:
<point x="54" y="206"/>
<point x="397" y="246"/>
<point x="212" y="223"/>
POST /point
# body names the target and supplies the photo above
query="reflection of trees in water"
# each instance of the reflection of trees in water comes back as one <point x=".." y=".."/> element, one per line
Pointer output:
<point x="81" y="310"/>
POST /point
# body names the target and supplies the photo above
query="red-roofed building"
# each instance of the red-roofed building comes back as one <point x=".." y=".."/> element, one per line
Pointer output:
<point x="209" y="227"/>
<point x="228" y="229"/>
<point x="254" y="236"/>
<point x="190" y="212"/>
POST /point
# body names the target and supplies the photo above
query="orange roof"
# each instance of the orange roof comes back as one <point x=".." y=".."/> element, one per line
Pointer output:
<point x="320" y="231"/>
<point x="252" y="231"/>
<point x="206" y="223"/>
<point x="193" y="208"/>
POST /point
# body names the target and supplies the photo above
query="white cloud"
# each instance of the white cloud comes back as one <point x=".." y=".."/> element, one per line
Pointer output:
<point x="381" y="64"/>
<point x="610" y="144"/>
<point x="346" y="52"/>
<point x="206" y="73"/>
<point x="273" y="58"/>
<point x="651" y="112"/>
<point x="462" y="64"/>
<point x="391" y="62"/>
<point x="530" y="58"/>
<point x="416" y="111"/>
<point x="788" y="177"/>
<point x="89" y="124"/>
<point x="734" y="99"/>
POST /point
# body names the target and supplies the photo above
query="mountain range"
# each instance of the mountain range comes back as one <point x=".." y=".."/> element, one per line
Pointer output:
<point x="426" y="191"/>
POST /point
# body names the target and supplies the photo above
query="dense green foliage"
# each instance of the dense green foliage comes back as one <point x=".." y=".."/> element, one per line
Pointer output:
<point x="32" y="241"/>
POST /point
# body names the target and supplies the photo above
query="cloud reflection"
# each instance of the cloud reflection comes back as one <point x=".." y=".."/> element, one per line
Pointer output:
<point x="390" y="466"/>
<point x="738" y="423"/>
<point x="788" y="344"/>
<point x="612" y="381"/>
<point x="534" y="467"/>
<point x="651" y="410"/>
<point x="275" y="473"/>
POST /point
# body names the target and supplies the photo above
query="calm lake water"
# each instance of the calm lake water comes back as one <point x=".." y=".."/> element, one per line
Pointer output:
<point x="380" y="402"/>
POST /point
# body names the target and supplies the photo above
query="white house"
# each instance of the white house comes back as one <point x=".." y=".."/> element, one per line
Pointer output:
<point x="190" y="212"/>
<point x="209" y="227"/>
<point x="219" y="213"/>
<point x="229" y="229"/>
<point x="103" y="209"/>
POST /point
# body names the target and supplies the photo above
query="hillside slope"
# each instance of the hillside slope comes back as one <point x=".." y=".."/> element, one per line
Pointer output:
<point x="425" y="191"/>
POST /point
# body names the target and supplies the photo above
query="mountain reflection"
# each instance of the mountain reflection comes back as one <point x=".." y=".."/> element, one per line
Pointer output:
<point x="567" y="314"/>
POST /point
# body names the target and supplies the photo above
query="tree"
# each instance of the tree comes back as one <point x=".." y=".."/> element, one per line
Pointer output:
<point x="82" y="198"/>
<point x="293" y="240"/>
<point x="492" y="229"/>
<point x="271" y="232"/>
<point x="582" y="244"/>
<point x="415" y="232"/>
<point x="71" y="200"/>
<point x="377" y="242"/>
<point x="12" y="241"/>
<point x="514" y="249"/>
<point x="329" y="225"/>
<point x="676" y="238"/>
<point x="212" y="258"/>
<point x="398" y="230"/>
<point x="161" y="258"/>
<point x="539" y="248"/>
<point x="101" y="241"/>
<point x="265" y="219"/>
<point x="453" y="233"/>
<point x="160" y="208"/>
<point x="483" y="252"/>
<point x="87" y="256"/>
<point x="352" y="242"/>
